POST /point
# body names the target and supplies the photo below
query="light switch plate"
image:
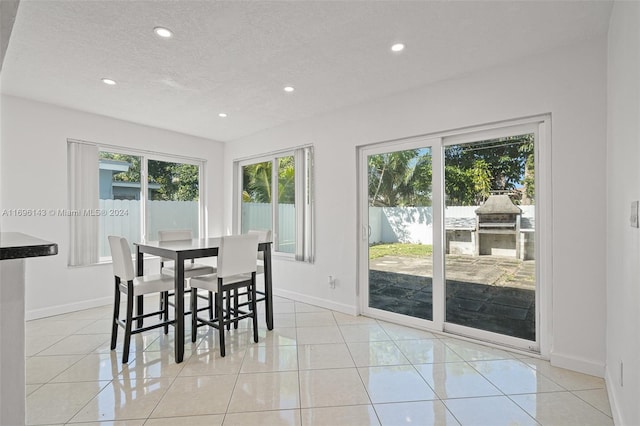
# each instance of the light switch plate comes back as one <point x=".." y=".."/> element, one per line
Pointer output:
<point x="634" y="214"/>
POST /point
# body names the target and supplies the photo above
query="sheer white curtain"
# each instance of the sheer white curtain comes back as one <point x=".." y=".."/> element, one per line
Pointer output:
<point x="304" y="204"/>
<point x="82" y="163"/>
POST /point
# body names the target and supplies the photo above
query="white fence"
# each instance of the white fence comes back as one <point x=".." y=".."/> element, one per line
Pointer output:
<point x="415" y="224"/>
<point x="400" y="224"/>
<point x="122" y="217"/>
<point x="386" y="224"/>
<point x="258" y="216"/>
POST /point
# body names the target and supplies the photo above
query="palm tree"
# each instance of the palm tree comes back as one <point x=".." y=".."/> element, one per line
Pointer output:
<point x="401" y="178"/>
<point x="257" y="181"/>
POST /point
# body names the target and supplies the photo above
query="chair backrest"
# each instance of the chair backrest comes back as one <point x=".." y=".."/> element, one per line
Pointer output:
<point x="121" y="255"/>
<point x="263" y="237"/>
<point x="175" y="234"/>
<point x="237" y="255"/>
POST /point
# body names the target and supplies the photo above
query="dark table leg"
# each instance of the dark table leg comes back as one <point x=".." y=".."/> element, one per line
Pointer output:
<point x="139" y="272"/>
<point x="268" y="286"/>
<point x="179" y="308"/>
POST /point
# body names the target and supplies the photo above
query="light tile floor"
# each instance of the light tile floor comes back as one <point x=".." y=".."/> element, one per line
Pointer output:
<point x="317" y="367"/>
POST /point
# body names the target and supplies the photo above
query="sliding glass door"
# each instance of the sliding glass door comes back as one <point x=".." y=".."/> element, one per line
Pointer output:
<point x="489" y="222"/>
<point x="399" y="229"/>
<point x="450" y="235"/>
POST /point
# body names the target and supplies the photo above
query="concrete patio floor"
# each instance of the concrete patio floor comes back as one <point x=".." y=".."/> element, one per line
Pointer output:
<point x="491" y="293"/>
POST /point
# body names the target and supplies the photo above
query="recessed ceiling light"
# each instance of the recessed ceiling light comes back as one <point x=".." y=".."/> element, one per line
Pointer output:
<point x="289" y="89"/>
<point x="162" y="32"/>
<point x="398" y="47"/>
<point x="109" y="81"/>
<point x="222" y="115"/>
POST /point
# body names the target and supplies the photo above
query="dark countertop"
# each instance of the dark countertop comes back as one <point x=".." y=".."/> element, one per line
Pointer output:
<point x="15" y="245"/>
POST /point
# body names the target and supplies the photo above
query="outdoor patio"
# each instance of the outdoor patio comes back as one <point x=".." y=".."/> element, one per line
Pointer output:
<point x="491" y="293"/>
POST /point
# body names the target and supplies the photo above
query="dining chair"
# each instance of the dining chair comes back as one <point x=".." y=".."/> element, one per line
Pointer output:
<point x="236" y="269"/>
<point x="263" y="237"/>
<point x="133" y="286"/>
<point x="191" y="269"/>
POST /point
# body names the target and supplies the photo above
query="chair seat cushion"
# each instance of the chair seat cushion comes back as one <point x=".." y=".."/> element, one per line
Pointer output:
<point x="210" y="282"/>
<point x="190" y="270"/>
<point x="149" y="284"/>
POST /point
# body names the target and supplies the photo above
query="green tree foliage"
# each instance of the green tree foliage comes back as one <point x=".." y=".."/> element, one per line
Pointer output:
<point x="467" y="185"/>
<point x="286" y="180"/>
<point x="257" y="178"/>
<point x="178" y="181"/>
<point x="256" y="182"/>
<point x="132" y="174"/>
<point x="529" y="167"/>
<point x="401" y="178"/>
<point x="472" y="172"/>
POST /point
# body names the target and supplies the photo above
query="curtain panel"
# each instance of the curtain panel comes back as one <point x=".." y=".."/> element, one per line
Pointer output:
<point x="83" y="193"/>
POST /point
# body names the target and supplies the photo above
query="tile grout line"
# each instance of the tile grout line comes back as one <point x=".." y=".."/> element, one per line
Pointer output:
<point x="562" y="389"/>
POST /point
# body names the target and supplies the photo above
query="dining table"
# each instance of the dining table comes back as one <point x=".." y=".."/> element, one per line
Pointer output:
<point x="182" y="250"/>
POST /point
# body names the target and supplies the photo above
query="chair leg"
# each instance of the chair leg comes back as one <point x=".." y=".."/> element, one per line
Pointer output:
<point x="211" y="316"/>
<point x="140" y="310"/>
<point x="116" y="315"/>
<point x="235" y="307"/>
<point x="254" y="313"/>
<point x="194" y="314"/>
<point x="221" y="314"/>
<point x="127" y="330"/>
<point x="227" y="316"/>
<point x="164" y="301"/>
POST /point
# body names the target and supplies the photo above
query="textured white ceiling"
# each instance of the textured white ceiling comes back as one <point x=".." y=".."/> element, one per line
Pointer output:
<point x="236" y="56"/>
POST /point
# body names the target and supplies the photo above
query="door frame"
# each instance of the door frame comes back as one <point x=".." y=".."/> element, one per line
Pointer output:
<point x="541" y="126"/>
<point x="435" y="145"/>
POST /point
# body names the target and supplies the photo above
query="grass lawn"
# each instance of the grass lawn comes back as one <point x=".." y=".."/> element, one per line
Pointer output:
<point x="400" y="249"/>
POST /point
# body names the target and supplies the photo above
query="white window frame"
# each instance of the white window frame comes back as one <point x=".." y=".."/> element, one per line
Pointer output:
<point x="303" y="161"/>
<point x="145" y="156"/>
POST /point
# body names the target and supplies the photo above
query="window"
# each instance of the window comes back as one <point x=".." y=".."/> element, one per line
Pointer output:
<point x="138" y="195"/>
<point x="120" y="195"/>
<point x="173" y="197"/>
<point x="274" y="193"/>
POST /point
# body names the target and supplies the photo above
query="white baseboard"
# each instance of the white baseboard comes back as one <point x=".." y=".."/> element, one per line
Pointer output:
<point x="94" y="303"/>
<point x="610" y="378"/>
<point x="65" y="309"/>
<point x="578" y="364"/>
<point x="316" y="301"/>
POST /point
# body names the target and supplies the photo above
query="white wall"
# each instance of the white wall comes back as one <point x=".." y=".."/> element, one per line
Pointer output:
<point x="570" y="84"/>
<point x="623" y="186"/>
<point x="34" y="176"/>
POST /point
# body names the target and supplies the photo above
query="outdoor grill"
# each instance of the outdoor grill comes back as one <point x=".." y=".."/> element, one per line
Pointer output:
<point x="498" y="226"/>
